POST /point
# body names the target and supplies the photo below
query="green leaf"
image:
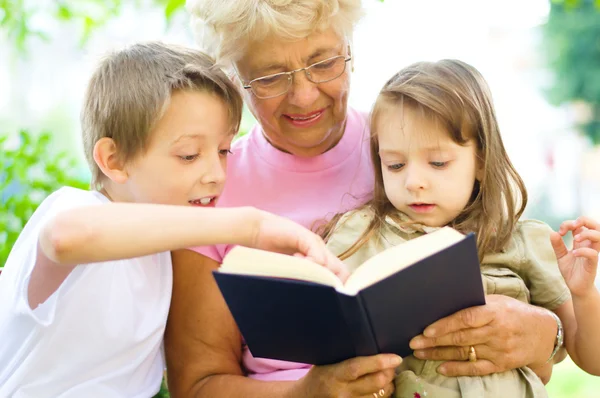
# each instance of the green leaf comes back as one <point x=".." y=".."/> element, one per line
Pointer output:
<point x="173" y="6"/>
<point x="29" y="174"/>
<point x="64" y="13"/>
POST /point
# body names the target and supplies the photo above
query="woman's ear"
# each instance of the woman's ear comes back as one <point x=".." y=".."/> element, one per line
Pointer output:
<point x="107" y="159"/>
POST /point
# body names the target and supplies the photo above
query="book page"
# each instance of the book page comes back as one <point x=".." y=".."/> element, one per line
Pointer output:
<point x="247" y="261"/>
<point x="398" y="257"/>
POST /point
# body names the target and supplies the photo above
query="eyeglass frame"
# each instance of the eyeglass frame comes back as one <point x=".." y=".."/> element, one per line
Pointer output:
<point x="290" y="74"/>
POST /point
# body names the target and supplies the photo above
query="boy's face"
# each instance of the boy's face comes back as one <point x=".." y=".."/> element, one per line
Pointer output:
<point x="186" y="159"/>
<point x="426" y="174"/>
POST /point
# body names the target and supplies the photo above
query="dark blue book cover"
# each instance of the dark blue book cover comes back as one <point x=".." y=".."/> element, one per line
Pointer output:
<point x="311" y="323"/>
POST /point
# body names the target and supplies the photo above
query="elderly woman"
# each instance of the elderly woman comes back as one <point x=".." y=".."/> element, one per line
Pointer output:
<point x="308" y="159"/>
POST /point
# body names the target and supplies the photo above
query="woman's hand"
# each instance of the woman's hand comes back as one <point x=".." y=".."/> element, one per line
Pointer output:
<point x="505" y="333"/>
<point x="579" y="265"/>
<point x="367" y="377"/>
<point x="278" y="234"/>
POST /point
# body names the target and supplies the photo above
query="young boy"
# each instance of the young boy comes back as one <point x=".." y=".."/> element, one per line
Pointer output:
<point x="85" y="292"/>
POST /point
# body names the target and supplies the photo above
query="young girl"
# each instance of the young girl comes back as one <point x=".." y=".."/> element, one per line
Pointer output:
<point x="439" y="160"/>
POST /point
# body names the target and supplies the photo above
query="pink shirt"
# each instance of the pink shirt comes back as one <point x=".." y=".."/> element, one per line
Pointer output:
<point x="306" y="190"/>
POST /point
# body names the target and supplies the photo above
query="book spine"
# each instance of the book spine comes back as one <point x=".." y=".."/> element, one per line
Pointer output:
<point x="359" y="326"/>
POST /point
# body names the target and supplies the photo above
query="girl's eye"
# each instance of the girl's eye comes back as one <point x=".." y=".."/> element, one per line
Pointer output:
<point x="189" y="158"/>
<point x="439" y="164"/>
<point x="396" y="166"/>
<point x="225" y="152"/>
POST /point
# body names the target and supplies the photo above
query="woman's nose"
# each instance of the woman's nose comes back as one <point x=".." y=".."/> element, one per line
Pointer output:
<point x="303" y="93"/>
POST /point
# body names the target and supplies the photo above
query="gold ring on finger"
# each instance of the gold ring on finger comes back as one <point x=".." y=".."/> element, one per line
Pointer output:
<point x="472" y="354"/>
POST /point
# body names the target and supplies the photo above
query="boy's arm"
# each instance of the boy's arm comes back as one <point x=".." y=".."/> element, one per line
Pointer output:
<point x="121" y="230"/>
<point x="115" y="231"/>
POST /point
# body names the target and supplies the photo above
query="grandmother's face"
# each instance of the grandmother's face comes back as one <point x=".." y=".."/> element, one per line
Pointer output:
<point x="310" y="118"/>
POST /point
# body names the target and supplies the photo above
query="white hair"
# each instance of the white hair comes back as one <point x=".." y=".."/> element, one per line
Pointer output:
<point x="224" y="28"/>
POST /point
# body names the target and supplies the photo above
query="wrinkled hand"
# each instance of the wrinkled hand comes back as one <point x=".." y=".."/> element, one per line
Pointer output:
<point x="366" y="377"/>
<point x="578" y="266"/>
<point x="506" y="334"/>
<point x="278" y="234"/>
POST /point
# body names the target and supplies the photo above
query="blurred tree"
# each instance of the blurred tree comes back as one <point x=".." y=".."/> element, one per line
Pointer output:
<point x="16" y="16"/>
<point x="572" y="47"/>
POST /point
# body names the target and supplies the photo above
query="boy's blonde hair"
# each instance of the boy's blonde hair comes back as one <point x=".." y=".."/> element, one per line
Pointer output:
<point x="225" y="28"/>
<point x="131" y="89"/>
<point x="455" y="95"/>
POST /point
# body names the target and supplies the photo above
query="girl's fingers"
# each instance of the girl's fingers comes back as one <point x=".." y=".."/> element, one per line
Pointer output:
<point x="560" y="249"/>
<point x="588" y="253"/>
<point x="567" y="226"/>
<point x="587" y="223"/>
<point x="591" y="235"/>
<point x="578" y="230"/>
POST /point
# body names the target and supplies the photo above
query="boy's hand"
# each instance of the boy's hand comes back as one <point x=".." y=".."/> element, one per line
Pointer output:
<point x="278" y="234"/>
<point x="579" y="265"/>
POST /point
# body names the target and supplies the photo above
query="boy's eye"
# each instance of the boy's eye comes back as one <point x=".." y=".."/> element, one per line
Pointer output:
<point x="438" y="164"/>
<point x="396" y="166"/>
<point x="225" y="152"/>
<point x="189" y="158"/>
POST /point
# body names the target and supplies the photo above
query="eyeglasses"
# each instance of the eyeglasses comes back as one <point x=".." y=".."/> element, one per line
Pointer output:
<point x="272" y="86"/>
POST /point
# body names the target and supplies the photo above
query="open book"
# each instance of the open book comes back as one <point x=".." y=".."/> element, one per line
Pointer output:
<point x="292" y="309"/>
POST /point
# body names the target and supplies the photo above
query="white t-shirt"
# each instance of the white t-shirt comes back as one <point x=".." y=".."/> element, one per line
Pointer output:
<point x="98" y="335"/>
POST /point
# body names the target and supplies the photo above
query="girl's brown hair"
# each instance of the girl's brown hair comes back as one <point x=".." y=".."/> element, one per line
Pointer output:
<point x="456" y="95"/>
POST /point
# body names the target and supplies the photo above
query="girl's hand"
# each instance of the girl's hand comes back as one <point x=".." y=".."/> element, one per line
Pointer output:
<point x="579" y="265"/>
<point x="279" y="234"/>
<point x="365" y="377"/>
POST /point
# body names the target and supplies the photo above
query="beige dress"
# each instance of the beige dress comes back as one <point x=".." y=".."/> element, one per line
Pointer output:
<point x="526" y="270"/>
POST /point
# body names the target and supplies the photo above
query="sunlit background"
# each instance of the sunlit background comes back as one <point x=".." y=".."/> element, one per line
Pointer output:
<point x="49" y="47"/>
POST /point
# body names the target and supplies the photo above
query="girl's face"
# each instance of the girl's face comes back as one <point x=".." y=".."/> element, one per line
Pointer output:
<point x="426" y="175"/>
<point x="310" y="118"/>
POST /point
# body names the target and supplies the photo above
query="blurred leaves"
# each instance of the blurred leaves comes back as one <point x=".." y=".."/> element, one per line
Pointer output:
<point x="14" y="19"/>
<point x="29" y="172"/>
<point x="573" y="3"/>
<point x="171" y="6"/>
<point x="572" y="48"/>
<point x="17" y="17"/>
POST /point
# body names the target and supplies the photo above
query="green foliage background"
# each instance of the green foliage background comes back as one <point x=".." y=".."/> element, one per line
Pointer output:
<point x="30" y="171"/>
<point x="572" y="48"/>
